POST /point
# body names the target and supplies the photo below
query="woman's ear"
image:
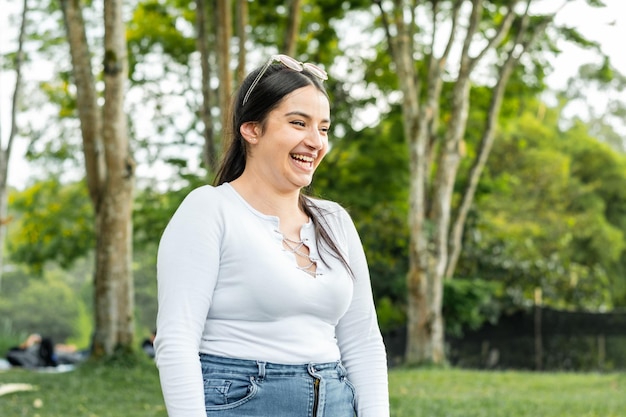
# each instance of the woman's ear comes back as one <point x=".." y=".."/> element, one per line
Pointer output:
<point x="250" y="131"/>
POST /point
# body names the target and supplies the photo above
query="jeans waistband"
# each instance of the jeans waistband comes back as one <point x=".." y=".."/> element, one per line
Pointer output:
<point x="263" y="368"/>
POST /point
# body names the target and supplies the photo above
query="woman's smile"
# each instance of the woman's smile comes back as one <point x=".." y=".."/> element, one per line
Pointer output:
<point x="303" y="161"/>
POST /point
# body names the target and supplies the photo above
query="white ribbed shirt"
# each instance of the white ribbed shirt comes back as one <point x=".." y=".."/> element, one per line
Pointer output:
<point x="228" y="287"/>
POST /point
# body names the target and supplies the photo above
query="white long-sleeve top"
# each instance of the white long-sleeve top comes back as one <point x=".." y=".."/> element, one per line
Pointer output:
<point x="228" y="287"/>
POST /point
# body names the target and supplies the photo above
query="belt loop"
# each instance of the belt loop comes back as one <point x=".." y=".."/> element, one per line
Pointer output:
<point x="261" y="366"/>
<point x="341" y="371"/>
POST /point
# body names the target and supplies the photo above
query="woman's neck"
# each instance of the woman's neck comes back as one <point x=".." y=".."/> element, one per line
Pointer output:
<point x="270" y="201"/>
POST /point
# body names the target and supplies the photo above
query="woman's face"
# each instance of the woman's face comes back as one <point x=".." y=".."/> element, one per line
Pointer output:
<point x="293" y="140"/>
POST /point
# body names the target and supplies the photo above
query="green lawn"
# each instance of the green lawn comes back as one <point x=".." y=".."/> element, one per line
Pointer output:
<point x="98" y="391"/>
<point x="463" y="393"/>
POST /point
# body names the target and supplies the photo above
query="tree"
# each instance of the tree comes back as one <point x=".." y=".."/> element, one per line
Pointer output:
<point x="293" y="26"/>
<point x="5" y="152"/>
<point x="502" y="31"/>
<point x="110" y="173"/>
<point x="53" y="223"/>
<point x="223" y="34"/>
<point x="209" y="154"/>
<point x="47" y="305"/>
<point x="590" y="79"/>
<point x="241" y="19"/>
<point x="549" y="214"/>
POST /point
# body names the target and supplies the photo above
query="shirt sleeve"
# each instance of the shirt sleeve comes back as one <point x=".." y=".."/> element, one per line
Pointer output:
<point x="359" y="338"/>
<point x="187" y="269"/>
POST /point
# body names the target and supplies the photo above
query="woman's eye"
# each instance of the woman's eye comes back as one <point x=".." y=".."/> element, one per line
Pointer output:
<point x="298" y="123"/>
<point x="324" y="129"/>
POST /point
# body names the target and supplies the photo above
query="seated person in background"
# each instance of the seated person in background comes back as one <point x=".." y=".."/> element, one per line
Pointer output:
<point x="35" y="351"/>
<point x="148" y="344"/>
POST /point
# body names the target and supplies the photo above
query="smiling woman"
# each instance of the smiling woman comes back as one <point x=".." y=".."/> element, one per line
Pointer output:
<point x="286" y="149"/>
<point x="265" y="300"/>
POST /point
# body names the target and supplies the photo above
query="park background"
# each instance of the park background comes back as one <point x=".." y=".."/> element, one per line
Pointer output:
<point x="545" y="234"/>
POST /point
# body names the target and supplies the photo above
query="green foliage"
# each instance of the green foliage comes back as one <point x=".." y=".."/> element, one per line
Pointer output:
<point x="153" y="209"/>
<point x="391" y="315"/>
<point x="367" y="172"/>
<point x="574" y="36"/>
<point x="156" y="28"/>
<point x="549" y="214"/>
<point x="55" y="223"/>
<point x="318" y="39"/>
<point x="47" y="306"/>
<point x="59" y="92"/>
<point x="470" y="303"/>
<point x="144" y="275"/>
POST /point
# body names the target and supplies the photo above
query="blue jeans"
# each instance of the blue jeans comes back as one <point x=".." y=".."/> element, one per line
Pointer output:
<point x="240" y="388"/>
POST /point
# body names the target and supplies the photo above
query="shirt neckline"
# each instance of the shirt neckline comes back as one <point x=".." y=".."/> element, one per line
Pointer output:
<point x="269" y="217"/>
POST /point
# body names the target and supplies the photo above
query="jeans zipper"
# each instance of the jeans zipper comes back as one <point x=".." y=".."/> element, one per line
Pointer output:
<point x="316" y="392"/>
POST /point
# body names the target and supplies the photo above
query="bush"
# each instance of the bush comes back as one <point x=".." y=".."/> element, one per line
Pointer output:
<point x="390" y="316"/>
<point x="47" y="306"/>
<point x="468" y="303"/>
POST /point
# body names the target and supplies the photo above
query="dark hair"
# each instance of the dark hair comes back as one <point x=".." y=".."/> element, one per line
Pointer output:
<point x="277" y="82"/>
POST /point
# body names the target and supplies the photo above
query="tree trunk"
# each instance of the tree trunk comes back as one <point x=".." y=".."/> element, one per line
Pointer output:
<point x="5" y="153"/>
<point x="223" y="30"/>
<point x="114" y="272"/>
<point x="293" y="26"/>
<point x="458" y="225"/>
<point x="209" y="153"/>
<point x="242" y="23"/>
<point x="86" y="100"/>
<point x="110" y="174"/>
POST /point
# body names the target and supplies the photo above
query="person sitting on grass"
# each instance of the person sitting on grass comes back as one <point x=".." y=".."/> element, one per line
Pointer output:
<point x="34" y="352"/>
<point x="40" y="352"/>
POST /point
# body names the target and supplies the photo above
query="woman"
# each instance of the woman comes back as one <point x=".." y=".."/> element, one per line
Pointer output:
<point x="265" y="301"/>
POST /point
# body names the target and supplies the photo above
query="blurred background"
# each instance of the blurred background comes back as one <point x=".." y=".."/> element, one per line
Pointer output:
<point x="512" y="218"/>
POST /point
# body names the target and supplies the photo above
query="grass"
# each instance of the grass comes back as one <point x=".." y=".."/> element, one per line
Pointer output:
<point x="133" y="391"/>
<point x="88" y="391"/>
<point x="465" y="393"/>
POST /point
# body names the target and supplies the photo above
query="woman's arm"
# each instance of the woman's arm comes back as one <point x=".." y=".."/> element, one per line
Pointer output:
<point x="358" y="335"/>
<point x="187" y="266"/>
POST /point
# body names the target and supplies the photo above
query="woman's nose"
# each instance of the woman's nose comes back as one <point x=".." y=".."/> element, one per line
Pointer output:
<point x="315" y="139"/>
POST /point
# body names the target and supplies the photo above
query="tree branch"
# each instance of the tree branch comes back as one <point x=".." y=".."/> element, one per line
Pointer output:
<point x="488" y="136"/>
<point x="86" y="100"/>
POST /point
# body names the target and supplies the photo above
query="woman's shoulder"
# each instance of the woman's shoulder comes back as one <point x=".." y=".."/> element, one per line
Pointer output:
<point x="329" y="208"/>
<point x="206" y="199"/>
<point x="329" y="205"/>
<point x="205" y="193"/>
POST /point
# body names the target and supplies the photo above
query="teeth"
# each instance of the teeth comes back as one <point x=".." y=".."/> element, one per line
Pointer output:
<point x="303" y="158"/>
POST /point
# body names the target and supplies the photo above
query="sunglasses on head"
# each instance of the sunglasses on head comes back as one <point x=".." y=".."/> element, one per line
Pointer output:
<point x="290" y="63"/>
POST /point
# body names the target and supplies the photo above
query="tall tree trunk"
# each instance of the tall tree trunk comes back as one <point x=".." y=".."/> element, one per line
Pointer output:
<point x="110" y="174"/>
<point x="5" y="153"/>
<point x="242" y="23"/>
<point x="209" y="153"/>
<point x="86" y="100"/>
<point x="293" y="27"/>
<point x="223" y="30"/>
<point x="114" y="272"/>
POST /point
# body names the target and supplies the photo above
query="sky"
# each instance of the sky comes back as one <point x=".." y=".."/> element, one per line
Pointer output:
<point x="606" y="26"/>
